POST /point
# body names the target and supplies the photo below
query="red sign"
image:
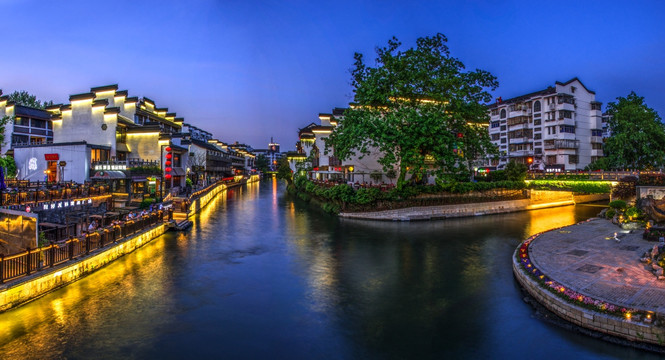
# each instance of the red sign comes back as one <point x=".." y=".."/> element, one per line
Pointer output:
<point x="51" y="157"/>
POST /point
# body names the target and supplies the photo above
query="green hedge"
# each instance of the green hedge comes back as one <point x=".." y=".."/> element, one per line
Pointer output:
<point x="584" y="187"/>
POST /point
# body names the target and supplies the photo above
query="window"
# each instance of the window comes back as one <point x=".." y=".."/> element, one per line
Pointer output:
<point x="99" y="155"/>
<point x="551" y="159"/>
<point x="536" y="121"/>
<point x="503" y="140"/>
<point x="538" y="150"/>
<point x="503" y="113"/>
<point x="495" y="124"/>
<point x="567" y="129"/>
<point x="495" y="112"/>
<point x="503" y="127"/>
<point x="597" y="146"/>
<point x="565" y="114"/>
<point x="538" y="136"/>
<point x="595" y="105"/>
<point x="36" y="123"/>
<point x="21" y="121"/>
<point x="551" y="130"/>
<point x="572" y="159"/>
<point x="495" y="136"/>
<point x="536" y="106"/>
<point x="596" y="132"/>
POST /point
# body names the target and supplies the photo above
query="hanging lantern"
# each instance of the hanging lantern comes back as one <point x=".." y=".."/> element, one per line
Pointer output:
<point x="168" y="149"/>
<point x="168" y="169"/>
<point x="167" y="176"/>
<point x="169" y="156"/>
<point x="168" y="163"/>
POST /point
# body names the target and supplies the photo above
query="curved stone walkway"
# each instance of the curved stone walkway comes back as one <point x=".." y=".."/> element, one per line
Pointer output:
<point x="586" y="258"/>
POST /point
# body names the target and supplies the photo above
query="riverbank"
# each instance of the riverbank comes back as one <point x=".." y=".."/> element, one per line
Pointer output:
<point x="22" y="290"/>
<point x="587" y="277"/>
<point x="537" y="199"/>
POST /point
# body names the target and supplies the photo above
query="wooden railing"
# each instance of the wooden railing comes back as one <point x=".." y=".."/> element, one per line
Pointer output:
<point x="34" y="260"/>
<point x="21" y="193"/>
<point x="589" y="175"/>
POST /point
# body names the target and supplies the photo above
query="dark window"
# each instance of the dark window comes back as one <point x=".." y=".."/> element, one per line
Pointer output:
<point x="495" y="124"/>
<point x="572" y="159"/>
<point x="536" y="106"/>
<point x="567" y="129"/>
<point x="36" y="123"/>
<point x="503" y="128"/>
<point x="503" y="113"/>
<point x="597" y="146"/>
<point x="596" y="132"/>
<point x="536" y="121"/>
<point x="537" y="136"/>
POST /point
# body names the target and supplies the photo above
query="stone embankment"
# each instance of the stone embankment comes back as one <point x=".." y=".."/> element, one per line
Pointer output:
<point x="538" y="199"/>
<point x="592" y="278"/>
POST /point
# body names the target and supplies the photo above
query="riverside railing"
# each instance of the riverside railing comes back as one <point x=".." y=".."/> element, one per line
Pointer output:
<point x="589" y="175"/>
<point x="34" y="260"/>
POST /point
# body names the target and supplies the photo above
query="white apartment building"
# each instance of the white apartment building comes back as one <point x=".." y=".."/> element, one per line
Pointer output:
<point x="555" y="129"/>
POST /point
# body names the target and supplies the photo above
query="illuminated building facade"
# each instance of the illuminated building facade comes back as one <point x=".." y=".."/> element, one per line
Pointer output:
<point x="29" y="125"/>
<point x="555" y="129"/>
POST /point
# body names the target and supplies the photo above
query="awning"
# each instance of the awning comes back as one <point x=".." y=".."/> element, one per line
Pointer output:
<point x="109" y="175"/>
<point x="139" y="178"/>
<point x="121" y="147"/>
<point x="177" y="171"/>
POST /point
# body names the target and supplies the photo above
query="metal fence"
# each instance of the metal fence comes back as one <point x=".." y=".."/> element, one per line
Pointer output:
<point x="31" y="261"/>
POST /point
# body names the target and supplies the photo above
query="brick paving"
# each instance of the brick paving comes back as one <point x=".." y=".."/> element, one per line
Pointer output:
<point x="586" y="258"/>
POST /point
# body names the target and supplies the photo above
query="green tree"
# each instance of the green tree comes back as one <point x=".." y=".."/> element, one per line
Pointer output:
<point x="284" y="170"/>
<point x="261" y="163"/>
<point x="638" y="135"/>
<point x="515" y="171"/>
<point x="416" y="104"/>
<point x="602" y="163"/>
<point x="26" y="99"/>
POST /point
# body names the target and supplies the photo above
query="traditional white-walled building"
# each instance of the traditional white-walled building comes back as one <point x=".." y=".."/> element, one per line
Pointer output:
<point x="558" y="128"/>
<point x="28" y="125"/>
<point x="311" y="145"/>
<point x="104" y="134"/>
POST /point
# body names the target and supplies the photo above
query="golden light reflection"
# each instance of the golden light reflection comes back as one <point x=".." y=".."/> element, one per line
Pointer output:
<point x="547" y="219"/>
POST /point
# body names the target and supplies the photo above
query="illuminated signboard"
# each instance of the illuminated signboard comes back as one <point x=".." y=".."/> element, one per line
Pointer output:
<point x="121" y="167"/>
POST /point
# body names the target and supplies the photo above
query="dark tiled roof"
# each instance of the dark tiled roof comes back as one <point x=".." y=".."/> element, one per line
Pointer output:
<point x="573" y="79"/>
<point x="21" y="110"/>
<point x="104" y="88"/>
<point x="83" y="96"/>
<point x="550" y="90"/>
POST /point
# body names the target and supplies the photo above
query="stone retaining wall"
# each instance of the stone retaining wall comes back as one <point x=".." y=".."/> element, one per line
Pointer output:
<point x="589" y="319"/>
<point x="537" y="200"/>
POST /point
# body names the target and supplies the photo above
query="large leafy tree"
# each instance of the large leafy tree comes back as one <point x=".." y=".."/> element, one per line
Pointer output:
<point x="261" y="163"/>
<point x="26" y="99"/>
<point x="638" y="135"/>
<point x="414" y="105"/>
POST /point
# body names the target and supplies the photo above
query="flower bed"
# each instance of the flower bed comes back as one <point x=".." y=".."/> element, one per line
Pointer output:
<point x="570" y="295"/>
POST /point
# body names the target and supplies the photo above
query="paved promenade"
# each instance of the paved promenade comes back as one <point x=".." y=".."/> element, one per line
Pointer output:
<point x="587" y="259"/>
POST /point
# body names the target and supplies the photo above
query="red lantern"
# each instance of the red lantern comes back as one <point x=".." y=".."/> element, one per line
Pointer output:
<point x="167" y="163"/>
<point x="168" y="148"/>
<point x="169" y="156"/>
<point x="167" y="176"/>
<point x="168" y="169"/>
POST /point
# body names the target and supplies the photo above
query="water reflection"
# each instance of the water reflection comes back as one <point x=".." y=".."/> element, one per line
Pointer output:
<point x="260" y="275"/>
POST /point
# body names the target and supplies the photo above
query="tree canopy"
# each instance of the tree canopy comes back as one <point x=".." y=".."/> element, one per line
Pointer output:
<point x="261" y="163"/>
<point x="638" y="135"/>
<point x="26" y="99"/>
<point x="415" y="109"/>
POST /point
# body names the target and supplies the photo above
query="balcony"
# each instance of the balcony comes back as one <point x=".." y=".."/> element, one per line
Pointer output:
<point x="566" y="121"/>
<point x="519" y="112"/>
<point x="561" y="144"/>
<point x="596" y="139"/>
<point x="521" y="140"/>
<point x="597" y="152"/>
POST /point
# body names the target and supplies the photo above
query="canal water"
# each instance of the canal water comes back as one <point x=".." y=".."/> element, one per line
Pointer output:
<point x="261" y="276"/>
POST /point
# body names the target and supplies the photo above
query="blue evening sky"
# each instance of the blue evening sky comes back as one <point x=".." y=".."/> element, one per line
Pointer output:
<point x="249" y="70"/>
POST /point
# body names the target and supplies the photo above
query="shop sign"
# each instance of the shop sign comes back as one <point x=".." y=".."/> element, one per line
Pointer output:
<point x="120" y="167"/>
<point x="51" y="157"/>
<point x="65" y="203"/>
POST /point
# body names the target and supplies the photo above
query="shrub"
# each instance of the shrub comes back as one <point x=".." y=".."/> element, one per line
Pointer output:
<point x="618" y="204"/>
<point x="584" y="187"/>
<point x="498" y="175"/>
<point x="146" y="203"/>
<point x="515" y="171"/>
<point x="633" y="213"/>
<point x="610" y="213"/>
<point x="651" y="180"/>
<point x="625" y="188"/>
